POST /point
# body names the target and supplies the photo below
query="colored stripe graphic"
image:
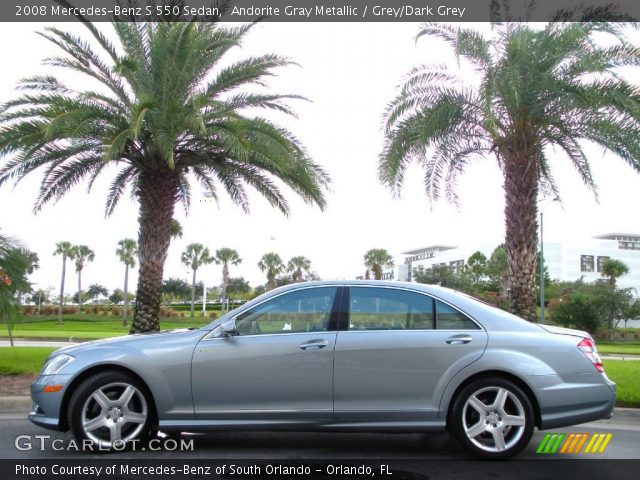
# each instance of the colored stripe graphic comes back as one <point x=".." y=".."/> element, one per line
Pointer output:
<point x="573" y="443"/>
<point x="550" y="443"/>
<point x="598" y="443"/>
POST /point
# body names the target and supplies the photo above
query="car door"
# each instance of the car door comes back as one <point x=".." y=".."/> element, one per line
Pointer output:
<point x="397" y="352"/>
<point x="278" y="366"/>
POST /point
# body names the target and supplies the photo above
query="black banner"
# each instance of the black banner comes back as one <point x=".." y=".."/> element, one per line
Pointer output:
<point x="319" y="10"/>
<point x="113" y="469"/>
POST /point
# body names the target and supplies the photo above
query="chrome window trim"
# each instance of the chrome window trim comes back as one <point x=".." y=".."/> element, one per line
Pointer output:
<point x="429" y="295"/>
<point x="208" y="336"/>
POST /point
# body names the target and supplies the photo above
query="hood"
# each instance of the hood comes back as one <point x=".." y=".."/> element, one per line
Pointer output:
<point x="566" y="331"/>
<point x="125" y="339"/>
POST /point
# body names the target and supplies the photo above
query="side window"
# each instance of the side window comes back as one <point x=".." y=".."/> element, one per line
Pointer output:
<point x="306" y="310"/>
<point x="448" y="318"/>
<point x="389" y="309"/>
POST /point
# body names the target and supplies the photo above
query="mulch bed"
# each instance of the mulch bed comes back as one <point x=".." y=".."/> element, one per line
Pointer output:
<point x="15" y="385"/>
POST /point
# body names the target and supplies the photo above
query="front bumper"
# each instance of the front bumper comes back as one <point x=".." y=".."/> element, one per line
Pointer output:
<point x="573" y="399"/>
<point x="47" y="406"/>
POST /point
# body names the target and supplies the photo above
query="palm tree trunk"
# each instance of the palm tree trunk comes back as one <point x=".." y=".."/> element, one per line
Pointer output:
<point x="80" y="291"/>
<point x="9" y="327"/>
<point x="126" y="295"/>
<point x="157" y="194"/>
<point x="377" y="272"/>
<point x="193" y="293"/>
<point x="64" y="266"/>
<point x="521" y="242"/>
<point x="225" y="280"/>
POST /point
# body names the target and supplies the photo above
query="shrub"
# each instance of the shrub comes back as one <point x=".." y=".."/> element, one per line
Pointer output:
<point x="213" y="315"/>
<point x="116" y="311"/>
<point x="49" y="310"/>
<point x="579" y="310"/>
<point x="168" y="312"/>
<point x="69" y="310"/>
<point x="28" y="309"/>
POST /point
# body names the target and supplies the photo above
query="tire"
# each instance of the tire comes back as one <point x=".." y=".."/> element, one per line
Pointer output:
<point x="112" y="411"/>
<point x="492" y="418"/>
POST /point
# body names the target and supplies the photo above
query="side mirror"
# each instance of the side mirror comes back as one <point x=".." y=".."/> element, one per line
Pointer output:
<point x="228" y="328"/>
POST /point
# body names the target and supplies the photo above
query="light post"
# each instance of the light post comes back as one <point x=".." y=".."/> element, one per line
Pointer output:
<point x="542" y="260"/>
<point x="541" y="267"/>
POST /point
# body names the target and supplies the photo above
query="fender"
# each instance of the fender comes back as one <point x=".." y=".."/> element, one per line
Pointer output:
<point x="494" y="360"/>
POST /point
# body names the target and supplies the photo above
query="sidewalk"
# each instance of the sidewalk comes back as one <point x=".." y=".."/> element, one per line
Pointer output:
<point x="36" y="343"/>
<point x="613" y="356"/>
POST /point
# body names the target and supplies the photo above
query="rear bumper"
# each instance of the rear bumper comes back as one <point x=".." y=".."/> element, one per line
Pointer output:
<point x="573" y="399"/>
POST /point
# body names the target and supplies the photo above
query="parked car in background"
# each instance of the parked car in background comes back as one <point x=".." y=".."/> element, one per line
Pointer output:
<point x="334" y="356"/>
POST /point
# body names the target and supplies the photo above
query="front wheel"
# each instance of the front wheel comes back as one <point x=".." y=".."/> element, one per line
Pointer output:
<point x="112" y="411"/>
<point x="492" y="418"/>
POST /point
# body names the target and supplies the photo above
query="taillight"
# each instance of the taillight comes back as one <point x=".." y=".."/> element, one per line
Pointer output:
<point x="587" y="347"/>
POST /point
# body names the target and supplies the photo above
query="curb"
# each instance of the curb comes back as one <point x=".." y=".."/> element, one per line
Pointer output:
<point x="17" y="404"/>
<point x="628" y="358"/>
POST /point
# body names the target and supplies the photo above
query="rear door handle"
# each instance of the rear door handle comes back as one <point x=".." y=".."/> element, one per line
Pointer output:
<point x="314" y="344"/>
<point x="458" y="339"/>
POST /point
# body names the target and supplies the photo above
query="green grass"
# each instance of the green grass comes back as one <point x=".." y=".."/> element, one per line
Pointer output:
<point x="632" y="348"/>
<point x="627" y="375"/>
<point x="22" y="360"/>
<point x="89" y="327"/>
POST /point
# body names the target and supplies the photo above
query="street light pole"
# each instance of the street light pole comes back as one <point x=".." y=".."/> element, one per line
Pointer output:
<point x="541" y="269"/>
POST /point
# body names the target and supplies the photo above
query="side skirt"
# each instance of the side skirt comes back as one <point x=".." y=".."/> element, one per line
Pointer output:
<point x="303" y="425"/>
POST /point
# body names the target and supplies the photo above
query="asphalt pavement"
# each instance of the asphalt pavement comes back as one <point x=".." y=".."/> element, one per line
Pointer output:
<point x="625" y="427"/>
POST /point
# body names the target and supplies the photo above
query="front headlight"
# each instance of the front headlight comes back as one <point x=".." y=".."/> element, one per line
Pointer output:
<point x="56" y="364"/>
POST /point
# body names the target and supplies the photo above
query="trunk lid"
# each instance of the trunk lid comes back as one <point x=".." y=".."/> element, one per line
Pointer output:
<point x="566" y="331"/>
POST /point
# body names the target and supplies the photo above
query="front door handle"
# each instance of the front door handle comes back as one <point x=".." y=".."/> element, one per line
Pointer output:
<point x="314" y="344"/>
<point x="458" y="339"/>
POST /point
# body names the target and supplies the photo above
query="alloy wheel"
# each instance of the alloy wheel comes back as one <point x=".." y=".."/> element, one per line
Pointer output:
<point x="494" y="419"/>
<point x="114" y="414"/>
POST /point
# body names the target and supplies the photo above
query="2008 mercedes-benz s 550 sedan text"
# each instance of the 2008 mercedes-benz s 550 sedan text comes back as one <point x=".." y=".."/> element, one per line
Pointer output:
<point x="333" y="356"/>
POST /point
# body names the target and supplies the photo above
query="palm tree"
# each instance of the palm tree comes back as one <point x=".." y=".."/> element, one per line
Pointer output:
<point x="224" y="257"/>
<point x="194" y="256"/>
<point x="298" y="267"/>
<point x="271" y="263"/>
<point x="613" y="269"/>
<point x="31" y="264"/>
<point x="169" y="111"/>
<point x="376" y="260"/>
<point x="32" y="260"/>
<point x="82" y="254"/>
<point x="68" y="252"/>
<point x="537" y="88"/>
<point x="95" y="290"/>
<point x="14" y="266"/>
<point x="8" y="243"/>
<point x="127" y="252"/>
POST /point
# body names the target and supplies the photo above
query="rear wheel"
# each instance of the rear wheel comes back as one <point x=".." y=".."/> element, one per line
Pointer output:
<point x="111" y="410"/>
<point x="492" y="418"/>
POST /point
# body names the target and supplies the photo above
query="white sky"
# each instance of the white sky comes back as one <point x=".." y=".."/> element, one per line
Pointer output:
<point x="350" y="71"/>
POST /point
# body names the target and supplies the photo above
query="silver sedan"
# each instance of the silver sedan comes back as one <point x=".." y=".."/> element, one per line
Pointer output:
<point x="333" y="356"/>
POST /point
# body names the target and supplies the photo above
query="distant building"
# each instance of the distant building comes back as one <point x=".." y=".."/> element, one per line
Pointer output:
<point x="566" y="260"/>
